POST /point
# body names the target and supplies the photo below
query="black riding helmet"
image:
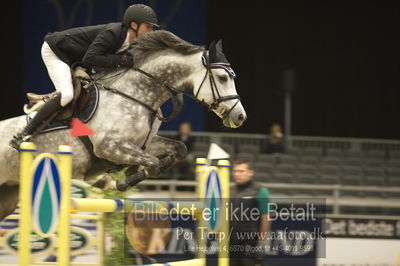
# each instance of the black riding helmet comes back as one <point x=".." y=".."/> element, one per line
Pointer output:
<point x="139" y="13"/>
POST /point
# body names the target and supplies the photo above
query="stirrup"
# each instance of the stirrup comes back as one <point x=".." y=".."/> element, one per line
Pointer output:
<point x="39" y="97"/>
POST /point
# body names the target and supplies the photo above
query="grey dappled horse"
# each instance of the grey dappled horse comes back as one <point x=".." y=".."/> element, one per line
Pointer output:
<point x="128" y="115"/>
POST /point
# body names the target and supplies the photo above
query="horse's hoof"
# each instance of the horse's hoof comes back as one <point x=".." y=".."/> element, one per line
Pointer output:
<point x="130" y="181"/>
<point x="102" y="182"/>
<point x="135" y="179"/>
<point x="122" y="186"/>
<point x="105" y="182"/>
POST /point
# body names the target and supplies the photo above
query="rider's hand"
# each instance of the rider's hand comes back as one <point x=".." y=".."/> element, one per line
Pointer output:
<point x="125" y="60"/>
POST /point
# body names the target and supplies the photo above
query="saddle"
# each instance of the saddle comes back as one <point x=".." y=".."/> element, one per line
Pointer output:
<point x="83" y="106"/>
<point x="80" y="81"/>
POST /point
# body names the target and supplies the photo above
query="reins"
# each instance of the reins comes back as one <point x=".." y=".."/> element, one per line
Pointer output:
<point x="177" y="96"/>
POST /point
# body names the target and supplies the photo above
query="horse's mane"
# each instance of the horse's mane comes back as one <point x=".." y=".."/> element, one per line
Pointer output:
<point x="152" y="43"/>
<point x="160" y="40"/>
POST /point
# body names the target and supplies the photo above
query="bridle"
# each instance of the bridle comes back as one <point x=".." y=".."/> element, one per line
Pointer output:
<point x="217" y="98"/>
<point x="177" y="96"/>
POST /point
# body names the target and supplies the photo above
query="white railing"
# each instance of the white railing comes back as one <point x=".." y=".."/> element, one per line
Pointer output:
<point x="355" y="144"/>
<point x="335" y="200"/>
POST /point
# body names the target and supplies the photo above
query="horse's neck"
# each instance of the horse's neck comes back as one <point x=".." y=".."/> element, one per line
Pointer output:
<point x="169" y="69"/>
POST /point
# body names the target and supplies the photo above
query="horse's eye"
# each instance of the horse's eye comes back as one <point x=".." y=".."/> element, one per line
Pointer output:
<point x="223" y="78"/>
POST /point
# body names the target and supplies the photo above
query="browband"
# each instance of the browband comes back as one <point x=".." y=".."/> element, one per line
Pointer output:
<point x="224" y="66"/>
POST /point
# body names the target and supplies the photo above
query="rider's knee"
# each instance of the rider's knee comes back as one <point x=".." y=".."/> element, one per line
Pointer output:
<point x="66" y="96"/>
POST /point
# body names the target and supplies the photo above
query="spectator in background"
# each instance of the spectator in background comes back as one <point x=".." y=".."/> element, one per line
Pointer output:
<point x="247" y="194"/>
<point x="183" y="135"/>
<point x="276" y="142"/>
<point x="185" y="169"/>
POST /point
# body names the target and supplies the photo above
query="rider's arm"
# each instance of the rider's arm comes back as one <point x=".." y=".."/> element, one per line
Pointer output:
<point x="99" y="53"/>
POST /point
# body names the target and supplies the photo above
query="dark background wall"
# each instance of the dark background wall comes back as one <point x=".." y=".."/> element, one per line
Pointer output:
<point x="346" y="58"/>
<point x="11" y="55"/>
<point x="35" y="18"/>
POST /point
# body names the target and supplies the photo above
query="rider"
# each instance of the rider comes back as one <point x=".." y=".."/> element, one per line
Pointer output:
<point x="98" y="47"/>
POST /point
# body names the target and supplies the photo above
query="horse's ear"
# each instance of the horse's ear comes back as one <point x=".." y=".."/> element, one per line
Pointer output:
<point x="215" y="53"/>
<point x="212" y="45"/>
<point x="218" y="45"/>
<point x="212" y="51"/>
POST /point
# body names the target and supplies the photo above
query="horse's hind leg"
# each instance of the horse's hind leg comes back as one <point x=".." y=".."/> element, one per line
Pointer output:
<point x="8" y="199"/>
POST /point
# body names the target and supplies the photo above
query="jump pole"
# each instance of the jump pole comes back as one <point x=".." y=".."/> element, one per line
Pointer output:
<point x="64" y="225"/>
<point x="27" y="150"/>
<point x="214" y="181"/>
<point x="28" y="167"/>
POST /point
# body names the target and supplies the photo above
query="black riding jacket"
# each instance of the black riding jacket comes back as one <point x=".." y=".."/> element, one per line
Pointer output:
<point x="93" y="46"/>
<point x="244" y="197"/>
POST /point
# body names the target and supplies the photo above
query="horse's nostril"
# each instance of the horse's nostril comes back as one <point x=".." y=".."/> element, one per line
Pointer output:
<point x="240" y="117"/>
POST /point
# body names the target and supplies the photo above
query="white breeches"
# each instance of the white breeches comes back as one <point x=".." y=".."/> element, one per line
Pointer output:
<point x="60" y="74"/>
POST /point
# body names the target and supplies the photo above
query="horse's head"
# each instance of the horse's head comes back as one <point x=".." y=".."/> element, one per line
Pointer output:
<point x="215" y="86"/>
<point x="175" y="62"/>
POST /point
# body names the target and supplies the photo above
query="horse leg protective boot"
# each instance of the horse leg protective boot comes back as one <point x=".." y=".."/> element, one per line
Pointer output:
<point x="51" y="106"/>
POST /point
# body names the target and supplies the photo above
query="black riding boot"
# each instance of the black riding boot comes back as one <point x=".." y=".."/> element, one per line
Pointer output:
<point x="51" y="106"/>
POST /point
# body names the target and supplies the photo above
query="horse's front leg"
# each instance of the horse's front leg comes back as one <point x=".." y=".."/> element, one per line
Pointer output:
<point x="168" y="151"/>
<point x="125" y="152"/>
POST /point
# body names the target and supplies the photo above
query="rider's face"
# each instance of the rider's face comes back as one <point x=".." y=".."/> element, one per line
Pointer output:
<point x="145" y="28"/>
